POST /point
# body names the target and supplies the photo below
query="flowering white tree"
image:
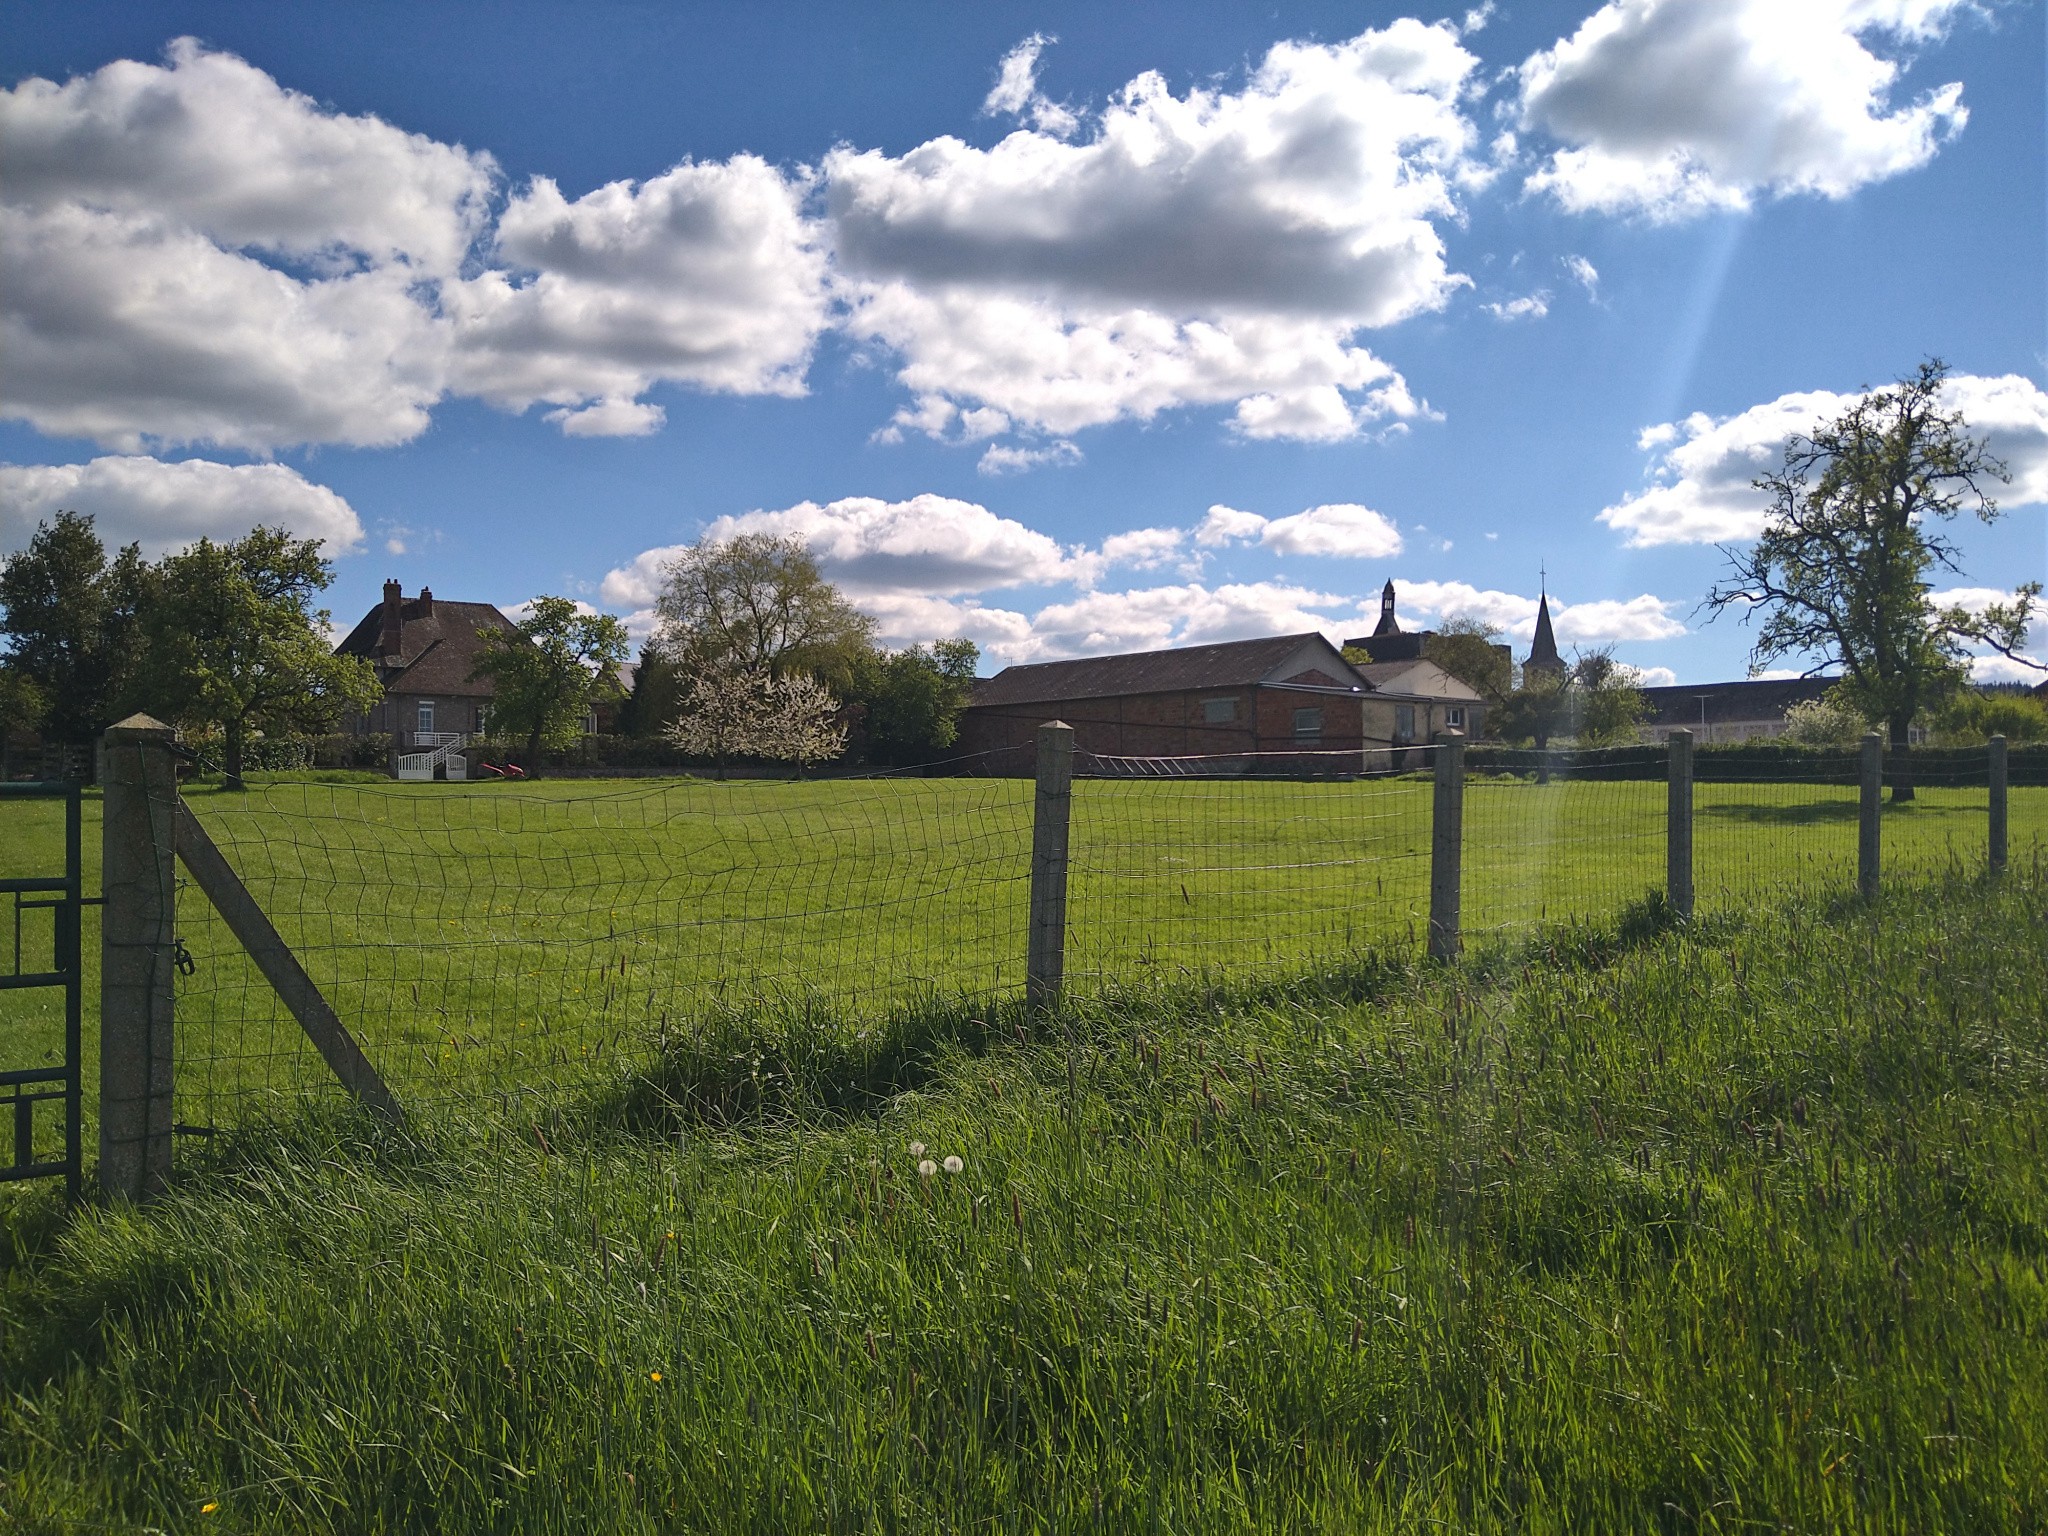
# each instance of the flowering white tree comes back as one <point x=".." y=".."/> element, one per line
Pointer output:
<point x="737" y="712"/>
<point x="802" y="724"/>
<point x="724" y="714"/>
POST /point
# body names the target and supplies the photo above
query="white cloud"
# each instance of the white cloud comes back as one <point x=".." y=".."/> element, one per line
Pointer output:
<point x="1341" y="528"/>
<point x="1673" y="107"/>
<point x="1598" y="622"/>
<point x="1584" y="273"/>
<point x="1099" y="623"/>
<point x="1146" y="549"/>
<point x="1227" y="525"/>
<point x="1531" y="306"/>
<point x="1013" y="458"/>
<point x="218" y="146"/>
<point x="911" y="618"/>
<point x="2004" y="669"/>
<point x="1701" y="491"/>
<point x="192" y="253"/>
<point x="1972" y="600"/>
<point x="610" y="417"/>
<point x="164" y="506"/>
<point x="707" y="275"/>
<point x="1211" y="248"/>
<point x="931" y="545"/>
<point x="1654" y="677"/>
<point x="1016" y="92"/>
<point x="127" y="329"/>
<point x="520" y="612"/>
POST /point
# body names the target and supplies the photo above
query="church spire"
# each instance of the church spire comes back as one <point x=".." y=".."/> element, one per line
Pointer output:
<point x="1389" y="625"/>
<point x="1543" y="655"/>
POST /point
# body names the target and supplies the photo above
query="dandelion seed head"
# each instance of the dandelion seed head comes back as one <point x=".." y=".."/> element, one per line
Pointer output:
<point x="917" y="1149"/>
<point x="927" y="1168"/>
<point x="954" y="1165"/>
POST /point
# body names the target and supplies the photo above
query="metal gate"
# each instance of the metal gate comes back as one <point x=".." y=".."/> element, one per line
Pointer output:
<point x="52" y="1090"/>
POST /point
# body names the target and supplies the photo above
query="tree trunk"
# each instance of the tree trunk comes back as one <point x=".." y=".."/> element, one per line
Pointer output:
<point x="1902" y="760"/>
<point x="1543" y="757"/>
<point x="231" y="768"/>
<point x="532" y="749"/>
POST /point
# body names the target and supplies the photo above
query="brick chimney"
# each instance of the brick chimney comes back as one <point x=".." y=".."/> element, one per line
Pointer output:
<point x="426" y="603"/>
<point x="390" y="641"/>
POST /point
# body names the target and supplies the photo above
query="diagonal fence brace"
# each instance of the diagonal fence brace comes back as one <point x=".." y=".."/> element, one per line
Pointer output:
<point x="281" y="968"/>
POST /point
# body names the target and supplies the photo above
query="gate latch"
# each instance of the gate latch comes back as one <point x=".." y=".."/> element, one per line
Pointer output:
<point x="181" y="957"/>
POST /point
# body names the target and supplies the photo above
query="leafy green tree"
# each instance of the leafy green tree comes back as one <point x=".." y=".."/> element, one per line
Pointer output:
<point x="1608" y="706"/>
<point x="758" y="603"/>
<point x="550" y="669"/>
<point x="1972" y="716"/>
<point x="1536" y="711"/>
<point x="911" y="699"/>
<point x="1840" y="573"/>
<point x="21" y="709"/>
<point x="232" y="641"/>
<point x="1470" y="650"/>
<point x="656" y="698"/>
<point x="70" y="617"/>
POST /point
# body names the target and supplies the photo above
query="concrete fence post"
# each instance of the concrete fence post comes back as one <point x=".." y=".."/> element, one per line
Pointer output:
<point x="1045" y="959"/>
<point x="1678" y="826"/>
<point x="1870" y="812"/>
<point x="1998" y="773"/>
<point x="1446" y="845"/>
<point x="138" y="932"/>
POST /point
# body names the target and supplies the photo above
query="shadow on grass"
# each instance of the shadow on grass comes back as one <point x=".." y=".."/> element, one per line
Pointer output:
<point x="1782" y="815"/>
<point x="799" y="1061"/>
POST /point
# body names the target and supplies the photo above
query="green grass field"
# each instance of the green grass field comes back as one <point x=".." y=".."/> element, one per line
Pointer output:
<point x="1740" y="1228"/>
<point x="495" y="937"/>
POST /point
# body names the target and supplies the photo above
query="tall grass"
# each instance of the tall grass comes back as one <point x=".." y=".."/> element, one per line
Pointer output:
<point x="1731" y="1229"/>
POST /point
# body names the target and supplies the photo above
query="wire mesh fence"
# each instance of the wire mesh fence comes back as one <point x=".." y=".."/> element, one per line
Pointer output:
<point x="485" y="937"/>
<point x="475" y="936"/>
<point x="1227" y="864"/>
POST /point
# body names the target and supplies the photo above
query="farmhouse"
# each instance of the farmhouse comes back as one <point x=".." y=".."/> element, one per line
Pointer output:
<point x="1283" y="693"/>
<point x="424" y="651"/>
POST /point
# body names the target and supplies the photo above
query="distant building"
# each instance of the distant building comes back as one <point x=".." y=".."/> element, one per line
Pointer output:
<point x="1390" y="642"/>
<point x="1724" y="712"/>
<point x="1286" y="692"/>
<point x="424" y="651"/>
<point x="1543" y="657"/>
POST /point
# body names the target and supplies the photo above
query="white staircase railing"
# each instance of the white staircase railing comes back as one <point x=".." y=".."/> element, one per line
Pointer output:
<point x="446" y="756"/>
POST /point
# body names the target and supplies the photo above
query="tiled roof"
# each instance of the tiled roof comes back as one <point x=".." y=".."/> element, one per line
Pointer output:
<point x="436" y="652"/>
<point x="1726" y="703"/>
<point x="1229" y="664"/>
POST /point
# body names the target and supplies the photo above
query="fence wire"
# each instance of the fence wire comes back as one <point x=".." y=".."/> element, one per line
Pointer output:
<point x="492" y="935"/>
<point x="1244" y="862"/>
<point x="489" y="936"/>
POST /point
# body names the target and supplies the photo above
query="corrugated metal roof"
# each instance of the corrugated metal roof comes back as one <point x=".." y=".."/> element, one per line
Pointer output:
<point x="1228" y="664"/>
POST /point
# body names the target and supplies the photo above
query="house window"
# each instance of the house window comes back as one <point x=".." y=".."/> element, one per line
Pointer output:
<point x="1454" y="718"/>
<point x="1404" y="722"/>
<point x="1308" y="724"/>
<point x="1218" y="711"/>
<point x="426" y="725"/>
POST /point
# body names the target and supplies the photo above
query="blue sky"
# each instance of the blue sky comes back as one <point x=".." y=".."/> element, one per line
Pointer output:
<point x="1072" y="329"/>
